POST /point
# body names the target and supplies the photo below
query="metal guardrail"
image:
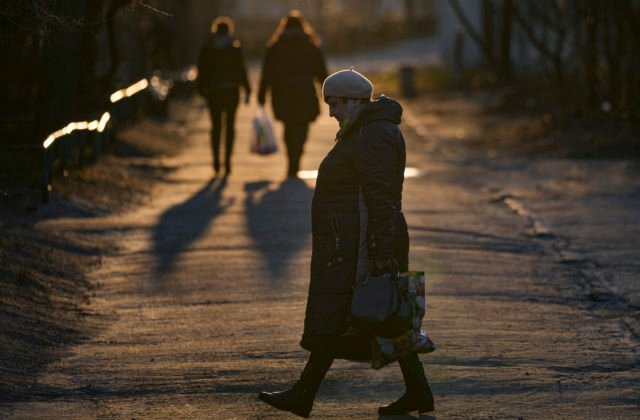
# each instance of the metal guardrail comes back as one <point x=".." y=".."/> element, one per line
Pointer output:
<point x="83" y="142"/>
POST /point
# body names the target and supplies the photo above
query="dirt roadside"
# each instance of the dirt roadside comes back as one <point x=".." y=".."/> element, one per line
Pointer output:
<point x="576" y="216"/>
<point x="45" y="305"/>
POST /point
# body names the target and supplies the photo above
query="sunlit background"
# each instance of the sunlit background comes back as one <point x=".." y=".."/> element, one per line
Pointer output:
<point x="562" y="63"/>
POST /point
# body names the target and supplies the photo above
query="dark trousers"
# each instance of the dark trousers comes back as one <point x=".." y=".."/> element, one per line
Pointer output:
<point x="359" y="348"/>
<point x="325" y="352"/>
<point x="223" y="102"/>
<point x="295" y="135"/>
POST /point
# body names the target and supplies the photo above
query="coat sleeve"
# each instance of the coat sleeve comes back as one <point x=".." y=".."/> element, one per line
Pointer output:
<point x="320" y="66"/>
<point x="203" y="71"/>
<point x="242" y="70"/>
<point x="265" y="77"/>
<point x="376" y="162"/>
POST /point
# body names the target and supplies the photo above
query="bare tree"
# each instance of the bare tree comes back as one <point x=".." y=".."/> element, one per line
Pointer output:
<point x="505" y="38"/>
<point x="590" y="45"/>
<point x="621" y="49"/>
<point x="484" y="37"/>
<point x="545" y="24"/>
<point x="114" y="57"/>
<point x="629" y="14"/>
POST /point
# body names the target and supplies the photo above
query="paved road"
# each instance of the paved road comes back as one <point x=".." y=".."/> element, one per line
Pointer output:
<point x="202" y="303"/>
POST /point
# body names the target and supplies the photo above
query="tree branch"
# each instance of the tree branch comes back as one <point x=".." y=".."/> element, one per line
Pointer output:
<point x="467" y="24"/>
<point x="472" y="32"/>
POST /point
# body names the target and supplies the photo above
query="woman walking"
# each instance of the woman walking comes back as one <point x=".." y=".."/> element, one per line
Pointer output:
<point x="357" y="227"/>
<point x="221" y="70"/>
<point x="291" y="64"/>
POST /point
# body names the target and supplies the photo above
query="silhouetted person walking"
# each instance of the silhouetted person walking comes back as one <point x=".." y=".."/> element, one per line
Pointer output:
<point x="357" y="226"/>
<point x="221" y="70"/>
<point x="291" y="64"/>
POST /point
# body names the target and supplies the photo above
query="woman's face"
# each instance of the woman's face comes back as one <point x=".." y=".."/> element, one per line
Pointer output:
<point x="342" y="109"/>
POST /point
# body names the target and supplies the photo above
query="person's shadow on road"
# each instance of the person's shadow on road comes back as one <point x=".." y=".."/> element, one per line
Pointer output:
<point x="278" y="221"/>
<point x="179" y="226"/>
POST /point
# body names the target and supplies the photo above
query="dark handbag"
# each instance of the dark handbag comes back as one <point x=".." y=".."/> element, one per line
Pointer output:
<point x="381" y="305"/>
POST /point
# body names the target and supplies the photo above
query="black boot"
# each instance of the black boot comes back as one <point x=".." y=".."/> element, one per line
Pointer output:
<point x="418" y="396"/>
<point x="227" y="162"/>
<point x="215" y="150"/>
<point x="299" y="399"/>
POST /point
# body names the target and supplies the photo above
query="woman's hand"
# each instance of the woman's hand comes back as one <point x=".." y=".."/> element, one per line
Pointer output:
<point x="386" y="265"/>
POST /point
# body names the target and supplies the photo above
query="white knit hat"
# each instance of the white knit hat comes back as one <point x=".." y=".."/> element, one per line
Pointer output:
<point x="347" y="84"/>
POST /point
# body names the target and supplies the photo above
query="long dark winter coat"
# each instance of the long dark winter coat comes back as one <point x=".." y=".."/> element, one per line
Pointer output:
<point x="221" y="66"/>
<point x="356" y="215"/>
<point x="289" y="68"/>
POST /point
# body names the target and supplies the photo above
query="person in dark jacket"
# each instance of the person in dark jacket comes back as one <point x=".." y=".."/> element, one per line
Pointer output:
<point x="357" y="228"/>
<point x="221" y="70"/>
<point x="291" y="64"/>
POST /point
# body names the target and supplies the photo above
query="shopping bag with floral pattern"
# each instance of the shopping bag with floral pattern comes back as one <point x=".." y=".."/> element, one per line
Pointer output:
<point x="387" y="350"/>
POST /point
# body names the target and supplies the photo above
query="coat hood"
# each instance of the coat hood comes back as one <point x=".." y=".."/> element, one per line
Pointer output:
<point x="293" y="36"/>
<point x="382" y="109"/>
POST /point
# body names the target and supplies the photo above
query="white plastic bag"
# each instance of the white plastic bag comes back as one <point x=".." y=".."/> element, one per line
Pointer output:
<point x="263" y="141"/>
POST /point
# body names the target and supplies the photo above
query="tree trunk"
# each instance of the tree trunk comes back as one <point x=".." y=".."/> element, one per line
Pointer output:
<point x="488" y="29"/>
<point x="612" y="31"/>
<point x="591" y="53"/>
<point x="486" y="49"/>
<point x="59" y="72"/>
<point x="554" y="56"/>
<point x="114" y="56"/>
<point x="505" y="40"/>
